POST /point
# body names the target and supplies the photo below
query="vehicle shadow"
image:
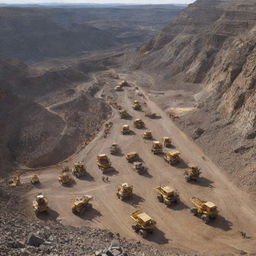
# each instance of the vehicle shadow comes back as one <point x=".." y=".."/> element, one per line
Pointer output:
<point x="181" y="165"/>
<point x="119" y="154"/>
<point x="178" y="206"/>
<point x="147" y="175"/>
<point x="50" y="214"/>
<point x="69" y="185"/>
<point x="135" y="200"/>
<point x="89" y="214"/>
<point x="222" y="223"/>
<point x="111" y="173"/>
<point x="87" y="177"/>
<point x="204" y="182"/>
<point x="158" y="237"/>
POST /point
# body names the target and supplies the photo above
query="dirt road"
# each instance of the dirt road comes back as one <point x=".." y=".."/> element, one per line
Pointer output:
<point x="176" y="227"/>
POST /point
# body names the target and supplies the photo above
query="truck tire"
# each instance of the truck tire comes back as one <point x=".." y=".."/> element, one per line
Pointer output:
<point x="205" y="218"/>
<point x="160" y="198"/>
<point x="194" y="211"/>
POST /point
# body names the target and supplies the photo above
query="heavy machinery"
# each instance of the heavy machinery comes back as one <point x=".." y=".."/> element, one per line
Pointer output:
<point x="157" y="147"/>
<point x="124" y="191"/>
<point x="35" y="180"/>
<point x="115" y="149"/>
<point x="136" y="106"/>
<point x="204" y="209"/>
<point x="132" y="157"/>
<point x="172" y="157"/>
<point x="147" y="135"/>
<point x="167" y="195"/>
<point x="151" y="115"/>
<point x="167" y="142"/>
<point x="139" y="124"/>
<point x="140" y="167"/>
<point x="144" y="224"/>
<point x="15" y="180"/>
<point x="104" y="163"/>
<point x="124" y="83"/>
<point x="65" y="178"/>
<point x="79" y="170"/>
<point x="118" y="88"/>
<point x="81" y="204"/>
<point x="126" y="129"/>
<point x="192" y="173"/>
<point x="40" y="204"/>
<point x="124" y="114"/>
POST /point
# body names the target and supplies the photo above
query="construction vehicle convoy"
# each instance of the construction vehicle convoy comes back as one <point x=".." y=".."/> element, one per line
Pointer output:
<point x="167" y="195"/>
<point x="40" y="204"/>
<point x="136" y="106"/>
<point x="204" y="209"/>
<point x="140" y="167"/>
<point x="157" y="147"/>
<point x="144" y="224"/>
<point x="172" y="157"/>
<point x="192" y="173"/>
<point x="132" y="157"/>
<point x="139" y="124"/>
<point x="167" y="142"/>
<point x="147" y="135"/>
<point x="126" y="129"/>
<point x="35" y="180"/>
<point x="104" y="163"/>
<point x="115" y="149"/>
<point x="79" y="170"/>
<point x="81" y="204"/>
<point x="124" y="191"/>
<point x="65" y="178"/>
<point x="124" y="114"/>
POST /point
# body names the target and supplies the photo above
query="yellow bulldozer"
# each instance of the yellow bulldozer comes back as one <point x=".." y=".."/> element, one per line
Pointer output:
<point x="126" y="129"/>
<point x="147" y="135"/>
<point x="104" y="163"/>
<point x="124" y="191"/>
<point x="167" y="142"/>
<point x="136" y="106"/>
<point x="79" y="170"/>
<point x="115" y="149"/>
<point x="144" y="224"/>
<point x="192" y="173"/>
<point x="132" y="157"/>
<point x="157" y="147"/>
<point x="81" y="204"/>
<point x="40" y="204"/>
<point x="167" y="195"/>
<point x="204" y="209"/>
<point x="124" y="114"/>
<point x="65" y="178"/>
<point x="15" y="180"/>
<point x="172" y="157"/>
<point x="139" y="124"/>
<point x="35" y="180"/>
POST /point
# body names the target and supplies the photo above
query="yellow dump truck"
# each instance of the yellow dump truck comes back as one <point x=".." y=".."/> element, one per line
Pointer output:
<point x="115" y="149"/>
<point x="126" y="129"/>
<point x="147" y="135"/>
<point x="81" y="204"/>
<point x="124" y="191"/>
<point x="167" y="142"/>
<point x="172" y="157"/>
<point x="104" y="163"/>
<point x="132" y="157"/>
<point x="79" y="170"/>
<point x="192" y="173"/>
<point x="139" y="167"/>
<point x="118" y="88"/>
<point x="204" y="209"/>
<point x="136" y="106"/>
<point x="65" y="178"/>
<point x="144" y="224"/>
<point x="40" y="204"/>
<point x="157" y="148"/>
<point x="35" y="179"/>
<point x="167" y="195"/>
<point x="139" y="124"/>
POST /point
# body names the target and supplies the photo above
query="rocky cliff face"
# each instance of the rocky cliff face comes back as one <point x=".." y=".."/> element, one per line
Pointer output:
<point x="212" y="46"/>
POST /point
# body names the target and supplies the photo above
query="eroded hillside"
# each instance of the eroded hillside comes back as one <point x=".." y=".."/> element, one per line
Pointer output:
<point x="210" y="48"/>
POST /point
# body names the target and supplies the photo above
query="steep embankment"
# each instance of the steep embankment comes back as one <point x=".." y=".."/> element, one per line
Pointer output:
<point x="211" y="46"/>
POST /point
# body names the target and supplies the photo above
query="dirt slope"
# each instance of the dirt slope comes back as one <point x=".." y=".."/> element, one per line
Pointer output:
<point x="176" y="227"/>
